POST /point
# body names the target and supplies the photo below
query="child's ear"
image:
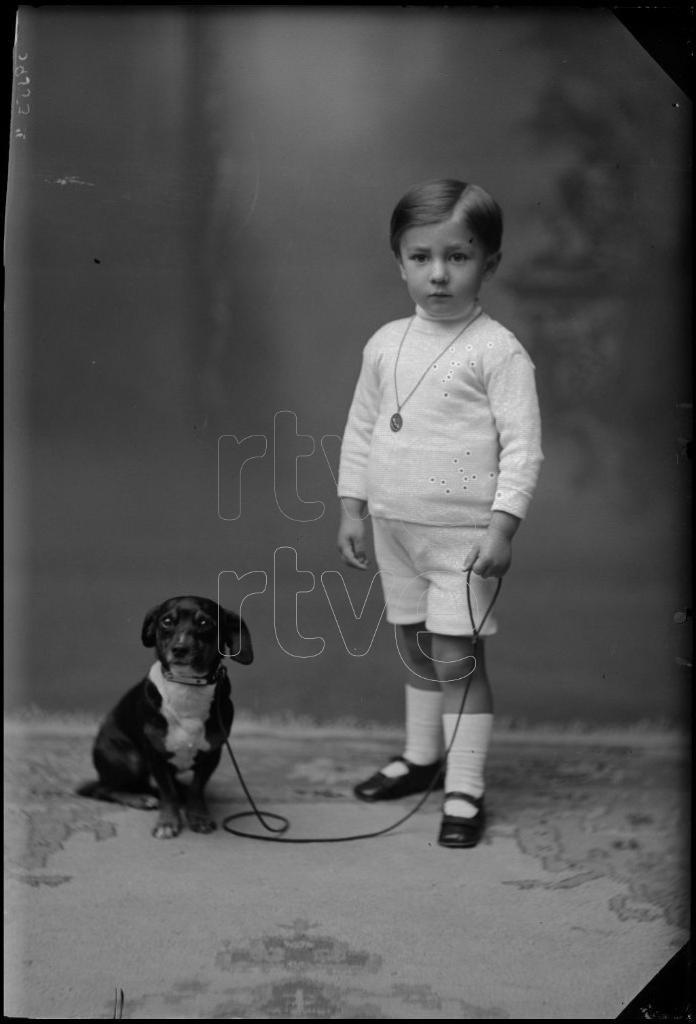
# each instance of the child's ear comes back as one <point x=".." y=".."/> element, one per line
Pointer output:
<point x="492" y="264"/>
<point x="401" y="267"/>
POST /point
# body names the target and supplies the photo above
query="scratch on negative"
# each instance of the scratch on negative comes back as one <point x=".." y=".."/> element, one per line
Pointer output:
<point x="69" y="180"/>
<point x="257" y="185"/>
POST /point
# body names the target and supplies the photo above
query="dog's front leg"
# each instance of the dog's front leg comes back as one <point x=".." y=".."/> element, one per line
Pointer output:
<point x="169" y="818"/>
<point x="197" y="813"/>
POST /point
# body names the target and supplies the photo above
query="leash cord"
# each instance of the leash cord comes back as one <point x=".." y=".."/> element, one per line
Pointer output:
<point x="278" y="837"/>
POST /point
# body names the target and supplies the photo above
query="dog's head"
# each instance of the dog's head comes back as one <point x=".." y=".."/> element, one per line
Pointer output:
<point x="195" y="633"/>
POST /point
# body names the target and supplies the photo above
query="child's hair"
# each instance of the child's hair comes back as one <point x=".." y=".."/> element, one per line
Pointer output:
<point x="434" y="201"/>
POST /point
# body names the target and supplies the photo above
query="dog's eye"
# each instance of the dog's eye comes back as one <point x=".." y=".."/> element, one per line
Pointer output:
<point x="204" y="623"/>
<point x="167" y="621"/>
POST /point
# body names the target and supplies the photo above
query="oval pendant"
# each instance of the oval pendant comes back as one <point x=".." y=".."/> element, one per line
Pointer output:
<point x="396" y="422"/>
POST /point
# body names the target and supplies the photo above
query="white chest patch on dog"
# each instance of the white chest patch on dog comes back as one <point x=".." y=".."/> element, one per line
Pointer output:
<point x="186" y="709"/>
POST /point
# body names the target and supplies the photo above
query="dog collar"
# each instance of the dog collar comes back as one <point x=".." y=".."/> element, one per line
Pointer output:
<point x="157" y="674"/>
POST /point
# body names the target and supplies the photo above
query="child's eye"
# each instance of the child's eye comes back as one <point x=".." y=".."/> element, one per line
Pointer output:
<point x="418" y="257"/>
<point x="459" y="257"/>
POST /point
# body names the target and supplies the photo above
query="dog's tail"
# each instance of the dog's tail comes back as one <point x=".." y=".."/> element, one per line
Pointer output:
<point x="92" y="789"/>
<point x="144" y="796"/>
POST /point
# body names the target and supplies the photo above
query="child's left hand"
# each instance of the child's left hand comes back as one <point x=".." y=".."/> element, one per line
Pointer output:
<point x="492" y="557"/>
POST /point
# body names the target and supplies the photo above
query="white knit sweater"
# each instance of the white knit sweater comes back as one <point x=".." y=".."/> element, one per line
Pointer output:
<point x="470" y="442"/>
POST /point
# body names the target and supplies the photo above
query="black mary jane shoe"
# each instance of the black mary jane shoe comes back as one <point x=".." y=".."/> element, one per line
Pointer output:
<point x="460" y="833"/>
<point x="416" y="780"/>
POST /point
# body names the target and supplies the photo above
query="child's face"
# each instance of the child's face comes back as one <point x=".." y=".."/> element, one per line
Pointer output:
<point x="444" y="266"/>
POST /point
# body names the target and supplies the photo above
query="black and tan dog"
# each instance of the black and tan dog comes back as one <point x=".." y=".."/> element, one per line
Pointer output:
<point x="176" y="719"/>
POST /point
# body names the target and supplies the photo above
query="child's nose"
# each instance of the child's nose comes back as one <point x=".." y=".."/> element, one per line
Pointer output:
<point x="439" y="270"/>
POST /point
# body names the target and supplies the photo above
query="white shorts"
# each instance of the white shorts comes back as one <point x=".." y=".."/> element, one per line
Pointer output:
<point x="422" y="577"/>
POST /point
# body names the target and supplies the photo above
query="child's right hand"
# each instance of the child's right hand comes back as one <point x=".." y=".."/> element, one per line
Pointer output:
<point x="351" y="539"/>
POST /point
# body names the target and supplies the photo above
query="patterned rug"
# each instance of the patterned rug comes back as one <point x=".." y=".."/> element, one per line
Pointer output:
<point x="589" y="829"/>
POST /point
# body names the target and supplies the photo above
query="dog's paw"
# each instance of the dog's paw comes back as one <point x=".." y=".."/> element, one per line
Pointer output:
<point x="167" y="829"/>
<point x="143" y="802"/>
<point x="200" y="824"/>
<point x="198" y="817"/>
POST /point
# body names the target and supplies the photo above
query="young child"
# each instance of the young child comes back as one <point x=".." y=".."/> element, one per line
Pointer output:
<point x="442" y="448"/>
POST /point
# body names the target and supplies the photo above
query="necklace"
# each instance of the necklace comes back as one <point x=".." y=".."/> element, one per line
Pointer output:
<point x="396" y="421"/>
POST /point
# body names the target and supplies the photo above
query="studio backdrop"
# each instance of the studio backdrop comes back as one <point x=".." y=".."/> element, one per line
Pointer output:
<point x="197" y="252"/>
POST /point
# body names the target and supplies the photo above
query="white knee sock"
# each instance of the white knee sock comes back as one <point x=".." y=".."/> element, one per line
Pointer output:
<point x="423" y="730"/>
<point x="466" y="760"/>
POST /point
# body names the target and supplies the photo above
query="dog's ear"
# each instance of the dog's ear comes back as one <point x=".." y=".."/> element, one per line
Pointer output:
<point x="234" y="638"/>
<point x="149" y="630"/>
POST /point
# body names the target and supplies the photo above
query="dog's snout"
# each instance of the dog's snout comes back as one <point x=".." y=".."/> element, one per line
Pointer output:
<point x="181" y="643"/>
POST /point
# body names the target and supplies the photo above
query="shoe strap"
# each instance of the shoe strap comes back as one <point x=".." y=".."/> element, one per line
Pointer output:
<point x="475" y="801"/>
<point x="409" y="764"/>
<point x="419" y="767"/>
<point x="402" y="759"/>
